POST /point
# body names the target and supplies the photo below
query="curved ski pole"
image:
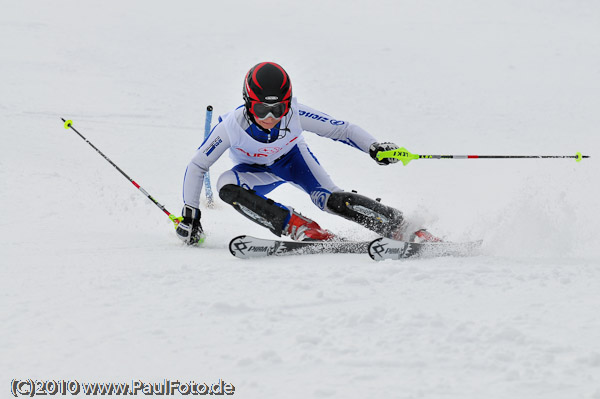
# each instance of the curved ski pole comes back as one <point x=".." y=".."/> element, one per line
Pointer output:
<point x="174" y="219"/>
<point x="405" y="156"/>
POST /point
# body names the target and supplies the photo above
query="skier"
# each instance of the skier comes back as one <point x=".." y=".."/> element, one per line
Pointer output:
<point x="264" y="138"/>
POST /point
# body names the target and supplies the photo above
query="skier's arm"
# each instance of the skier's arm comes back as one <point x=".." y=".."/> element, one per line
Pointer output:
<point x="324" y="125"/>
<point x="190" y="229"/>
<point x="207" y="154"/>
<point x="346" y="132"/>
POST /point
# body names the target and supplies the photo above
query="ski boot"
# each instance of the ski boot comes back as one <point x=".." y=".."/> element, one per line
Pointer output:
<point x="301" y="228"/>
<point x="423" y="235"/>
<point x="419" y="236"/>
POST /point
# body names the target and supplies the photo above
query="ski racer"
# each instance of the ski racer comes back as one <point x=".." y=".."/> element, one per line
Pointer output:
<point x="264" y="138"/>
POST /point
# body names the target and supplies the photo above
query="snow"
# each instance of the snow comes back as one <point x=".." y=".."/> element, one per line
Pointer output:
<point x="96" y="287"/>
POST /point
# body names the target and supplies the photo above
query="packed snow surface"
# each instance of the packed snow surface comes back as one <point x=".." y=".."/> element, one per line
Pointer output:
<point x="95" y="286"/>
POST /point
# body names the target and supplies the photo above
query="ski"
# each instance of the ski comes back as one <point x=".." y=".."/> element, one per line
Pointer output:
<point x="247" y="247"/>
<point x="385" y="248"/>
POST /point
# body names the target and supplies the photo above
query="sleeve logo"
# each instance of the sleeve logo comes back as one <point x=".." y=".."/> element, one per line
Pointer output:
<point x="214" y="144"/>
<point x="312" y="116"/>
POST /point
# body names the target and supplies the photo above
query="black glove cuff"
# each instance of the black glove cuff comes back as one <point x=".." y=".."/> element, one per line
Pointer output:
<point x="190" y="214"/>
<point x="374" y="149"/>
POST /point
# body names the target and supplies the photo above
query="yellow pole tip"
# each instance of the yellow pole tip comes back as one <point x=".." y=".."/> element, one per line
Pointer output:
<point x="68" y="124"/>
<point x="578" y="157"/>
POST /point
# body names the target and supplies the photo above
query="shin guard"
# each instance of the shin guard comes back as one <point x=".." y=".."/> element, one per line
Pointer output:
<point x="382" y="219"/>
<point x="261" y="210"/>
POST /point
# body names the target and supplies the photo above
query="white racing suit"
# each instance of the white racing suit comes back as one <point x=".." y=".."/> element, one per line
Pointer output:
<point x="267" y="160"/>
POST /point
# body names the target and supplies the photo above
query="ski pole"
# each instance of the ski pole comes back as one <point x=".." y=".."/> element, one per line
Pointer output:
<point x="174" y="219"/>
<point x="405" y="156"/>
<point x="209" y="193"/>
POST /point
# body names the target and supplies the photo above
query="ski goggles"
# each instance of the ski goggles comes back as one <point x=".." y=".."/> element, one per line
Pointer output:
<point x="264" y="110"/>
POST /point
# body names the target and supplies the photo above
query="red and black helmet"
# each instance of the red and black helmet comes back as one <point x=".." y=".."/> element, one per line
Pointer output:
<point x="267" y="83"/>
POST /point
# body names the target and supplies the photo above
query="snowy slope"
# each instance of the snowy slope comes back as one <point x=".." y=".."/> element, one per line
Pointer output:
<point x="96" y="287"/>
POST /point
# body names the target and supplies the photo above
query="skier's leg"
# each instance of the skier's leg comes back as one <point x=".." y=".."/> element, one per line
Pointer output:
<point x="257" y="208"/>
<point x="315" y="181"/>
<point x="245" y="187"/>
<point x="382" y="219"/>
<point x="301" y="168"/>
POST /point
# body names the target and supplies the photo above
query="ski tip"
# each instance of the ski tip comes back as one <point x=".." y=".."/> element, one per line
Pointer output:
<point x="373" y="244"/>
<point x="236" y="245"/>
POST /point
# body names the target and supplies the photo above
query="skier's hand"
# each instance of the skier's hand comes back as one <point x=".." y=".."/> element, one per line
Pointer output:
<point x="189" y="229"/>
<point x="378" y="147"/>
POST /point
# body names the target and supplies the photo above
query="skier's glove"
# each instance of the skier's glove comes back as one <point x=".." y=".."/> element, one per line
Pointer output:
<point x="189" y="229"/>
<point x="377" y="147"/>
